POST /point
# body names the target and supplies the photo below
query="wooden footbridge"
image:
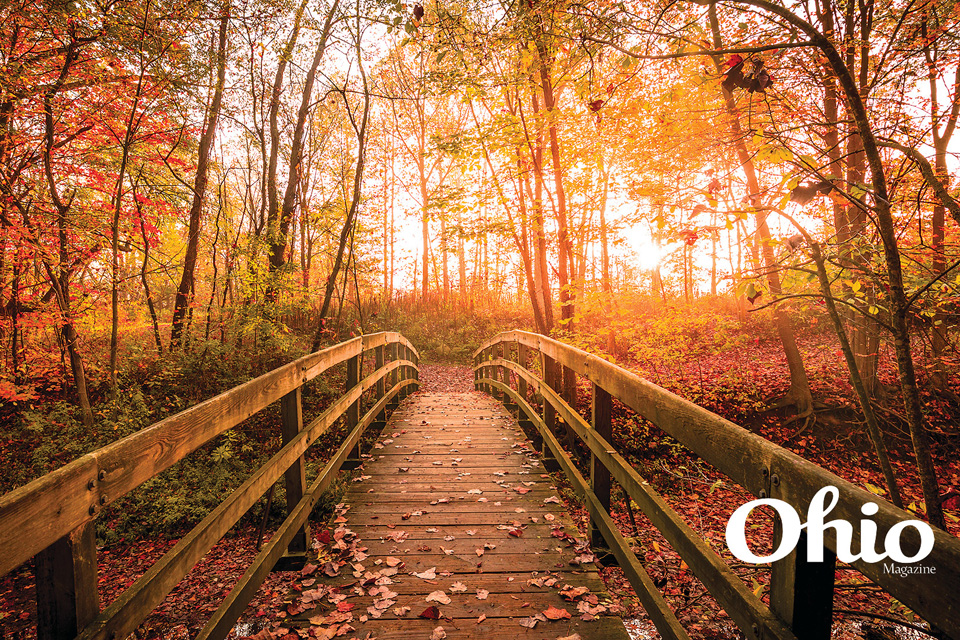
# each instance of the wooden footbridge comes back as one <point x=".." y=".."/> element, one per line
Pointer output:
<point x="452" y="526"/>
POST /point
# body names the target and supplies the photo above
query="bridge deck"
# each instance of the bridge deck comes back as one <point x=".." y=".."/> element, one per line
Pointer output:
<point x="453" y="485"/>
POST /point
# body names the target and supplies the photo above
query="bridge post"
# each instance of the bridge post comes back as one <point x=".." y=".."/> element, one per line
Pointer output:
<point x="801" y="592"/>
<point x="295" y="478"/>
<point x="352" y="416"/>
<point x="522" y="359"/>
<point x="394" y="375"/>
<point x="404" y="370"/>
<point x="549" y="413"/>
<point x="483" y="371"/>
<point x="570" y="387"/>
<point x="601" y="406"/>
<point x="378" y="362"/>
<point x="512" y="406"/>
<point x="498" y="371"/>
<point x="66" y="575"/>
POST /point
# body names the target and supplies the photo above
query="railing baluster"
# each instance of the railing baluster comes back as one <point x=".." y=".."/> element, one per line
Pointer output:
<point x="66" y="574"/>
<point x="601" y="406"/>
<point x="295" y="478"/>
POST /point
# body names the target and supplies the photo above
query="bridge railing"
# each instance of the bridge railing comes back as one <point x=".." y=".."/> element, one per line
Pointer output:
<point x="53" y="517"/>
<point x="801" y="592"/>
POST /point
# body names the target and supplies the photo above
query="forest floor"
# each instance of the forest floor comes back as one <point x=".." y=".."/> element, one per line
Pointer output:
<point x="694" y="489"/>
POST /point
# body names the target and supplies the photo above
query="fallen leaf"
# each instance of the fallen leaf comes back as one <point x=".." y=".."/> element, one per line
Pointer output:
<point x="430" y="613"/>
<point x="482" y="617"/>
<point x="443" y="598"/>
<point x="429" y="574"/>
<point x="482" y="594"/>
<point x="572" y="593"/>
<point x="553" y="613"/>
<point x="516" y="533"/>
<point x="458" y="587"/>
<point x="438" y="634"/>
<point x="532" y="621"/>
<point x="553" y="499"/>
<point x="393" y="562"/>
<point x="307" y="570"/>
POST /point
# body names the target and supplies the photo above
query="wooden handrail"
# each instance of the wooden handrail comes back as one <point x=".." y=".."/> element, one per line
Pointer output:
<point x="46" y="514"/>
<point x="763" y="468"/>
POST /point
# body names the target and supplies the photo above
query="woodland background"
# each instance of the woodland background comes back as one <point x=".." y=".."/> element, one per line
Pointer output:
<point x="749" y="202"/>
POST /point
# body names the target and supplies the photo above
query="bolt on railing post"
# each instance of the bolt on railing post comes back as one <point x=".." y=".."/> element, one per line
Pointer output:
<point x="601" y="406"/>
<point x="66" y="575"/>
<point x="295" y="478"/>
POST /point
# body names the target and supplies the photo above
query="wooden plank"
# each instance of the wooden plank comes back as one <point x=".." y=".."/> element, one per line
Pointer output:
<point x="66" y="575"/>
<point x="37" y="515"/>
<point x="607" y="628"/>
<point x="378" y="530"/>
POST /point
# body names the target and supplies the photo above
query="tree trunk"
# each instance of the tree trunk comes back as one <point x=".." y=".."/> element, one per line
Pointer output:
<point x="185" y="290"/>
<point x="278" y="239"/>
<point x="60" y="280"/>
<point x="347" y="230"/>
<point x="799" y="392"/>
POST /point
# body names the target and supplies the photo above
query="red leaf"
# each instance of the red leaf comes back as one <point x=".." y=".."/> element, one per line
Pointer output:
<point x="430" y="613"/>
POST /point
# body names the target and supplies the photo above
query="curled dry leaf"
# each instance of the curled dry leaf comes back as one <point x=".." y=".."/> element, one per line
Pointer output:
<point x="532" y="621"/>
<point x="553" y="499"/>
<point x="429" y="574"/>
<point x="438" y="634"/>
<point x="482" y="617"/>
<point x="443" y="598"/>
